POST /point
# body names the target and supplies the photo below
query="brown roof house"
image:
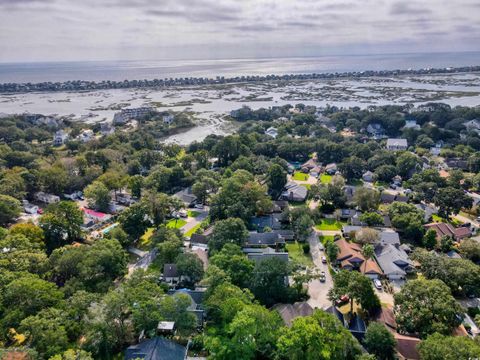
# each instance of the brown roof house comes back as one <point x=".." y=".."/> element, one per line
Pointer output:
<point x="443" y="229"/>
<point x="350" y="257"/>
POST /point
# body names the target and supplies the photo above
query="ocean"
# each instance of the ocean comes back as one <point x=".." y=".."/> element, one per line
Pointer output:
<point x="151" y="69"/>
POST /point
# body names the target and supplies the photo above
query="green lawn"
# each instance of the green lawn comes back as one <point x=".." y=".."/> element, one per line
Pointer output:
<point x="329" y="225"/>
<point x="454" y="222"/>
<point x="308" y="186"/>
<point x="144" y="242"/>
<point x="299" y="176"/>
<point x="193" y="213"/>
<point x="190" y="232"/>
<point x="325" y="239"/>
<point x="325" y="178"/>
<point x="296" y="254"/>
<point x="176" y="223"/>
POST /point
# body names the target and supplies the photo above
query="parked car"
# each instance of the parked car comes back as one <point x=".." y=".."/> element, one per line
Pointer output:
<point x="198" y="206"/>
<point x="377" y="284"/>
<point x="322" y="277"/>
<point x="324" y="260"/>
<point x="343" y="299"/>
<point x="183" y="213"/>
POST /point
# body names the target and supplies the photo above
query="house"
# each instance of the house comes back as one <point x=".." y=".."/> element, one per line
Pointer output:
<point x="60" y="138"/>
<point x="376" y="130"/>
<point x="393" y="261"/>
<point x="199" y="240"/>
<point x="46" y="198"/>
<point x="168" y="118"/>
<point x="352" y="322"/>
<point x="257" y="255"/>
<point x="30" y="208"/>
<point x="411" y="124"/>
<point x="294" y="192"/>
<point x="86" y="135"/>
<point x="170" y="274"/>
<point x="196" y="302"/>
<point x="126" y="115"/>
<point x="473" y="125"/>
<point x="397" y="144"/>
<point x="289" y="312"/>
<point x="166" y="327"/>
<point x="96" y="216"/>
<point x="272" y="132"/>
<point x="309" y="165"/>
<point x="350" y="257"/>
<point x="456" y="163"/>
<point x="367" y="176"/>
<point x="347" y="214"/>
<point x="387" y="198"/>
<point x="157" y="348"/>
<point x="452" y="254"/>
<point x="287" y="235"/>
<point x="347" y="230"/>
<point x="428" y="211"/>
<point x="331" y="169"/>
<point x="443" y="229"/>
<point x="106" y="129"/>
<point x="186" y="195"/>
<point x="389" y="237"/>
<point x="264" y="239"/>
<point x="272" y="221"/>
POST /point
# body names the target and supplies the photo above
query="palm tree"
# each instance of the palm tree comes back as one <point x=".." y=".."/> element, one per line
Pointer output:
<point x="367" y="252"/>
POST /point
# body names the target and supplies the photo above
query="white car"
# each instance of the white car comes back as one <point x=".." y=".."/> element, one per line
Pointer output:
<point x="324" y="260"/>
<point x="198" y="206"/>
<point x="377" y="284"/>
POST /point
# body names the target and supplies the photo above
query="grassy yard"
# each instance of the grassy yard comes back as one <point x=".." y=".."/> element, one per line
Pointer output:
<point x="299" y="176"/>
<point x="190" y="232"/>
<point x="193" y="213"/>
<point x="325" y="239"/>
<point x="330" y="225"/>
<point x="454" y="222"/>
<point x="307" y="186"/>
<point x="176" y="223"/>
<point x="325" y="178"/>
<point x="296" y="254"/>
<point x="145" y="242"/>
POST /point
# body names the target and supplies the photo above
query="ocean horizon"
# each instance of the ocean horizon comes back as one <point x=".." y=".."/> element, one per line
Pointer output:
<point x="159" y="69"/>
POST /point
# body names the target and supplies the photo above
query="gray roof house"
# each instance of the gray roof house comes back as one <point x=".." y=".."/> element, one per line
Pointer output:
<point x="258" y="255"/>
<point x="393" y="260"/>
<point x="397" y="144"/>
<point x="367" y="176"/>
<point x="264" y="239"/>
<point x="170" y="273"/>
<point x="186" y="196"/>
<point x="389" y="237"/>
<point x="294" y="192"/>
<point x="157" y="348"/>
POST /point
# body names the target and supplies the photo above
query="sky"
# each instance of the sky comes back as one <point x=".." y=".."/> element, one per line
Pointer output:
<point x="69" y="30"/>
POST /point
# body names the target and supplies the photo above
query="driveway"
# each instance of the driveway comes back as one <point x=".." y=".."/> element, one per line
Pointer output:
<point x="143" y="263"/>
<point x="317" y="290"/>
<point x="192" y="222"/>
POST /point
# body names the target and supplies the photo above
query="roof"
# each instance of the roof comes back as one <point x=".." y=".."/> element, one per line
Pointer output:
<point x="186" y="195"/>
<point x="407" y="346"/>
<point x="293" y="191"/>
<point x="443" y="229"/>
<point x="397" y="142"/>
<point x="199" y="239"/>
<point x="266" y="253"/>
<point x="170" y="270"/>
<point x="350" y="254"/>
<point x="93" y="213"/>
<point x="260" y="222"/>
<point x="269" y="238"/>
<point x="166" y="325"/>
<point x="387" y="197"/>
<point x="389" y="237"/>
<point x="392" y="259"/>
<point x="288" y="312"/>
<point x="157" y="348"/>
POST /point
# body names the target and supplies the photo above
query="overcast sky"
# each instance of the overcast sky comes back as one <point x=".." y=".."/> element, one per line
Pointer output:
<point x="45" y="30"/>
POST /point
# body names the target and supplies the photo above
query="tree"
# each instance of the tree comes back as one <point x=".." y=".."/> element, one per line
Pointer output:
<point x="332" y="250"/>
<point x="61" y="224"/>
<point x="379" y="341"/>
<point x="316" y="337"/>
<point x="366" y="199"/>
<point x="470" y="249"/>
<point x="277" y="178"/>
<point x="232" y="260"/>
<point x="12" y="184"/>
<point x="9" y="209"/>
<point x="135" y="184"/>
<point x="25" y="296"/>
<point x="135" y="220"/>
<point x="113" y="180"/>
<point x="302" y="227"/>
<point x="72" y="354"/>
<point x="190" y="266"/>
<point x="98" y="196"/>
<point x="168" y="251"/>
<point x="426" y="306"/>
<point x="407" y="163"/>
<point x="352" y="168"/>
<point x="407" y="219"/>
<point x="22" y="254"/>
<point x="439" y="347"/>
<point x="32" y="232"/>
<point x="368" y="252"/>
<point x="451" y="200"/>
<point x="385" y="173"/>
<point x="430" y="239"/>
<point x="225" y="301"/>
<point x="371" y="218"/>
<point x="231" y="231"/>
<point x="357" y="287"/>
<point x="45" y="332"/>
<point x="269" y="283"/>
<point x="367" y="236"/>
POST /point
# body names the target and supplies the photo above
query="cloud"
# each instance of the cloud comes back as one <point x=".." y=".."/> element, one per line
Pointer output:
<point x="406" y="8"/>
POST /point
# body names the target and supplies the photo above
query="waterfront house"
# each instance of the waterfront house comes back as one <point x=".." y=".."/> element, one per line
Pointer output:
<point x="86" y="135"/>
<point x="60" y="138"/>
<point x="168" y="118"/>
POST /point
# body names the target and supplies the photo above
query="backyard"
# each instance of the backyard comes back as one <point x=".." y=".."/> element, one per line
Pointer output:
<point x="176" y="223"/>
<point x="299" y="176"/>
<point x="329" y="225"/>
<point x="325" y="179"/>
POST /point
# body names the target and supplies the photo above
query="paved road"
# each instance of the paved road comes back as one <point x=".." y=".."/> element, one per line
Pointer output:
<point x="317" y="290"/>
<point x="192" y="222"/>
<point x="143" y="263"/>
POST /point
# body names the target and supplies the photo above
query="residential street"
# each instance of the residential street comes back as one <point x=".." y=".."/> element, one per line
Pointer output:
<point x="317" y="290"/>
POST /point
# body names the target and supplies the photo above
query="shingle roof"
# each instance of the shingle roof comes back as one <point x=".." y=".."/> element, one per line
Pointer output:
<point x="269" y="238"/>
<point x="157" y="348"/>
<point x="170" y="270"/>
<point x="289" y="312"/>
<point x="392" y="260"/>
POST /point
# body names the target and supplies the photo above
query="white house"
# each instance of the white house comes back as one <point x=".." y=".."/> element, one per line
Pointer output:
<point x="86" y="135"/>
<point x="168" y="118"/>
<point x="367" y="176"/>
<point x="473" y="125"/>
<point x="271" y="131"/>
<point x="411" y="124"/>
<point x="60" y="138"/>
<point x="397" y="144"/>
<point x="30" y="208"/>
